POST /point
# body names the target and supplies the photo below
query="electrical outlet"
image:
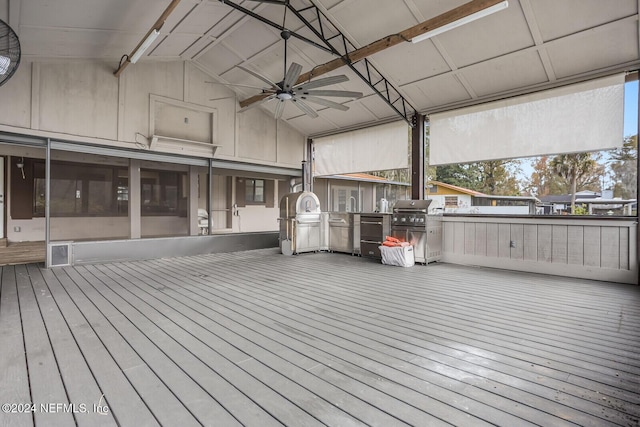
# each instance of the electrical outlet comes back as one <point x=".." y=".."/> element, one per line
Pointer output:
<point x="512" y="244"/>
<point x="17" y="229"/>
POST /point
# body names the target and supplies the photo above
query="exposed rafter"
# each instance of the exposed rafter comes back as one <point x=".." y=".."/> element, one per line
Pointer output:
<point x="339" y="46"/>
<point x="350" y="56"/>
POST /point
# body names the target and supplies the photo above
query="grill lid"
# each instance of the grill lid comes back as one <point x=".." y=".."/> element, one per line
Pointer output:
<point x="412" y="206"/>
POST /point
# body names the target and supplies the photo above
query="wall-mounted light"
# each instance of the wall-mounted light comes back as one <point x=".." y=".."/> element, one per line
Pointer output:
<point x="153" y="35"/>
<point x="462" y="21"/>
<point x="20" y="165"/>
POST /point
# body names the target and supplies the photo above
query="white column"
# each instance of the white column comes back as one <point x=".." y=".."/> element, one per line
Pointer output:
<point x="134" y="199"/>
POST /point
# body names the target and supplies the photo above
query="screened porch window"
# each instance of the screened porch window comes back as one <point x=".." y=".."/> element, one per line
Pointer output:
<point x="80" y="190"/>
<point x="163" y="193"/>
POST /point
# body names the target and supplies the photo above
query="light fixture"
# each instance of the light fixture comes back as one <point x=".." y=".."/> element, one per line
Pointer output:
<point x="20" y="165"/>
<point x="462" y="21"/>
<point x="4" y="64"/>
<point x="153" y="35"/>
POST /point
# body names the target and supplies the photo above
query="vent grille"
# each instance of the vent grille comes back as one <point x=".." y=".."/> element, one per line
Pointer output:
<point x="59" y="254"/>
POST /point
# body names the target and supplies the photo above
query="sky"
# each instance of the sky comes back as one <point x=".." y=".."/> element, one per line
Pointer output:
<point x="631" y="108"/>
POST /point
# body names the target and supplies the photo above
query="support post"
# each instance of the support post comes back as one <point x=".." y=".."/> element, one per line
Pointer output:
<point x="638" y="176"/>
<point x="210" y="198"/>
<point x="135" y="215"/>
<point x="417" y="157"/>
<point x="47" y="203"/>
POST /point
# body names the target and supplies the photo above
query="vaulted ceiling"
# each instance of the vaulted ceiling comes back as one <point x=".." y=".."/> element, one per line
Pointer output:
<point x="531" y="45"/>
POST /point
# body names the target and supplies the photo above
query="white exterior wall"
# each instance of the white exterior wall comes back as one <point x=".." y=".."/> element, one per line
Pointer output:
<point x="437" y="205"/>
<point x="82" y="101"/>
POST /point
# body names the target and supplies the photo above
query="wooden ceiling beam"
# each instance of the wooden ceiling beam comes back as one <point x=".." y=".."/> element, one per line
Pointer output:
<point x="389" y="41"/>
<point x="156" y="27"/>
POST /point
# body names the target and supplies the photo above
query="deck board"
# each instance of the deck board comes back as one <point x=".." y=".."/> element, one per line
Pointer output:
<point x="256" y="338"/>
<point x="76" y="375"/>
<point x="14" y="375"/>
<point x="121" y="398"/>
<point x="44" y="376"/>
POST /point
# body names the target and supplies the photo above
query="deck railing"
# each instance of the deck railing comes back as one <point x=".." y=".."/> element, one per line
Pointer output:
<point x="583" y="247"/>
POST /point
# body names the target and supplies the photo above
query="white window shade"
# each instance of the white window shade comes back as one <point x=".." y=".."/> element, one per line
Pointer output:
<point x="372" y="149"/>
<point x="582" y="117"/>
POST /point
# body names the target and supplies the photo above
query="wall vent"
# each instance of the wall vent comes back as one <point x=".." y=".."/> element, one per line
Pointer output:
<point x="59" y="254"/>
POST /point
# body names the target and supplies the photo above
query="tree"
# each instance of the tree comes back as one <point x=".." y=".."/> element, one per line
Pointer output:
<point x="495" y="177"/>
<point x="624" y="169"/>
<point x="580" y="170"/>
<point x="498" y="177"/>
<point x="544" y="180"/>
<point x="462" y="175"/>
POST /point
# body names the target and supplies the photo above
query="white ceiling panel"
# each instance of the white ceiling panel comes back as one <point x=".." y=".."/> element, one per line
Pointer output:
<point x="440" y="90"/>
<point x="498" y="34"/>
<point x="405" y="63"/>
<point x="172" y="46"/>
<point x="506" y="73"/>
<point x="532" y="45"/>
<point x="366" y="22"/>
<point x="96" y="14"/>
<point x="596" y="49"/>
<point x="218" y="59"/>
<point x="431" y="8"/>
<point x="376" y="106"/>
<point x="249" y="40"/>
<point x="72" y="43"/>
<point x="201" y="20"/>
<point x="561" y="18"/>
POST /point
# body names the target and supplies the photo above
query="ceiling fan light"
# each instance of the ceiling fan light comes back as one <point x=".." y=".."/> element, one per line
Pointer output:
<point x="284" y="96"/>
<point x="4" y="64"/>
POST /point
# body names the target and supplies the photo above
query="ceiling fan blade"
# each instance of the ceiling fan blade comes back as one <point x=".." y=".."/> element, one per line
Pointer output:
<point x="322" y="82"/>
<point x="255" y="104"/>
<point x="239" y="85"/>
<point x="305" y="108"/>
<point x="340" y="93"/>
<point x="259" y="76"/>
<point x="292" y="76"/>
<point x="325" y="102"/>
<point x="279" y="108"/>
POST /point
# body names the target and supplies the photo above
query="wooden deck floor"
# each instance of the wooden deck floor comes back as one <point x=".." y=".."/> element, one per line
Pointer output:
<point x="22" y="253"/>
<point x="258" y="339"/>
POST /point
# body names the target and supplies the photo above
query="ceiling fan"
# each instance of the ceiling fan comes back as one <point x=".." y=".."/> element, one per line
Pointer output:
<point x="9" y="52"/>
<point x="298" y="94"/>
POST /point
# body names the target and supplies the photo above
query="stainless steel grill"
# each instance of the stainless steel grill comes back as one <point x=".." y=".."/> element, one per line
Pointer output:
<point x="411" y="223"/>
<point x="300" y="223"/>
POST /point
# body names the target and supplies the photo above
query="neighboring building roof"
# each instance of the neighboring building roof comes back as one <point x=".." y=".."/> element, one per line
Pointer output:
<point x="488" y="196"/>
<point x="363" y="177"/>
<point x="566" y="198"/>
<point x="456" y="188"/>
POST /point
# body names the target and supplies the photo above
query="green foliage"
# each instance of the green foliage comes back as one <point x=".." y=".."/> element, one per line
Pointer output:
<point x="624" y="169"/>
<point x="580" y="210"/>
<point x="580" y="170"/>
<point x="497" y="177"/>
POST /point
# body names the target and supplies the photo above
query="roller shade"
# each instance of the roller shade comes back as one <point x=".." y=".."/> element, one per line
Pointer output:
<point x="582" y="117"/>
<point x="372" y="149"/>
